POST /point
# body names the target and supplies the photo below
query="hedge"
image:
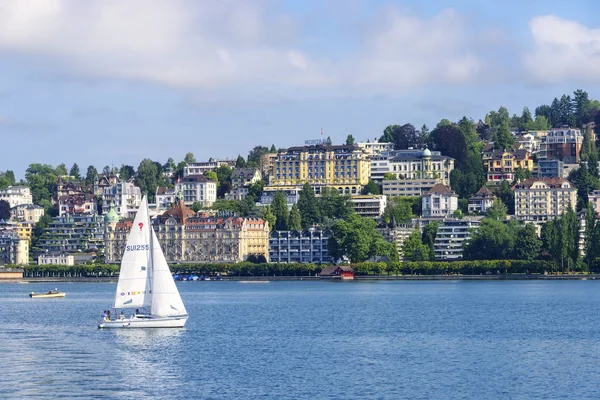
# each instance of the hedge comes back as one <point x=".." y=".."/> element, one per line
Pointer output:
<point x="270" y="269"/>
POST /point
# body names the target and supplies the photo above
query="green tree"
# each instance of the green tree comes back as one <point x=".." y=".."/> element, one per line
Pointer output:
<point x="528" y="244"/>
<point x="280" y="210"/>
<point x="398" y="211"/>
<point x="497" y="211"/>
<point x="255" y="190"/>
<point x="350" y="140"/>
<point x="61" y="170"/>
<point x="494" y="240"/>
<point x="413" y="248"/>
<point x="449" y="140"/>
<point x="196" y="206"/>
<point x="212" y="175"/>
<point x="541" y="123"/>
<point x="526" y="119"/>
<point x="273" y="149"/>
<point x="240" y="162"/>
<point x="429" y="234"/>
<point x="308" y="206"/>
<point x="333" y="205"/>
<point x="224" y="178"/>
<point x="403" y="136"/>
<point x="91" y="174"/>
<point x="74" y="172"/>
<point x="10" y="175"/>
<point x="255" y="156"/>
<point x="267" y="215"/>
<point x="295" y="220"/>
<point x="189" y="158"/>
<point x="357" y="238"/>
<point x="507" y="195"/>
<point x="126" y="172"/>
<point x="371" y="188"/>
<point x="42" y="180"/>
<point x="504" y="139"/>
<point x="388" y="176"/>
<point x="146" y="178"/>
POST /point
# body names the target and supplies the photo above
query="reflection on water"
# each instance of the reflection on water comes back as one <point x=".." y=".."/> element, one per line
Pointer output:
<point x="292" y="340"/>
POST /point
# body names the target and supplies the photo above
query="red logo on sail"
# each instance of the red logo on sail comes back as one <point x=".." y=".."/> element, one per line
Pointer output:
<point x="141" y="225"/>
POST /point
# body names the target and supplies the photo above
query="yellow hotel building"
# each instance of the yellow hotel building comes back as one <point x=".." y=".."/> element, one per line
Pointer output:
<point x="346" y="168"/>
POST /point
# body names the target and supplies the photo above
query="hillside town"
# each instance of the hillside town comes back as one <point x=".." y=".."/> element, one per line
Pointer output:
<point x="522" y="187"/>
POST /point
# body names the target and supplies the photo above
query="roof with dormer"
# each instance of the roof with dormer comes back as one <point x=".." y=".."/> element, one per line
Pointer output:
<point x="483" y="194"/>
<point x="179" y="211"/>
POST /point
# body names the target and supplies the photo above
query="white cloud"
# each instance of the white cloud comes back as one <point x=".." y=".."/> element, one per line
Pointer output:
<point x="227" y="43"/>
<point x="563" y="50"/>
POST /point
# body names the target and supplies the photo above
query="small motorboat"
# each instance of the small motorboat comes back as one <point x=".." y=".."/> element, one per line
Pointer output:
<point x="51" y="293"/>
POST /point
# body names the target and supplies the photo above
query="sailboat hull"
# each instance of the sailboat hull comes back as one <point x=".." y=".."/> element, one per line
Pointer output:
<point x="149" y="322"/>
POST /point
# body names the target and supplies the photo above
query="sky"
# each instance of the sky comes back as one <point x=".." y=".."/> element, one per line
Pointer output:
<point x="111" y="82"/>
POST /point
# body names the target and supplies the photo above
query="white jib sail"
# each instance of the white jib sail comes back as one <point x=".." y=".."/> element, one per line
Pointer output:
<point x="134" y="289"/>
<point x="166" y="301"/>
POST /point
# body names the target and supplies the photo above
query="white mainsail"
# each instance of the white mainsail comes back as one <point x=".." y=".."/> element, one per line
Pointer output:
<point x="166" y="301"/>
<point x="134" y="289"/>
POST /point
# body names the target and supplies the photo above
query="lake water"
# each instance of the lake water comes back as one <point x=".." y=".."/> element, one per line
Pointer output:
<point x="311" y="340"/>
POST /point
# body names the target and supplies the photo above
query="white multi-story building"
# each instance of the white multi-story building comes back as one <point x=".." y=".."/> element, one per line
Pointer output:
<point x="408" y="187"/>
<point x="125" y="197"/>
<point x="375" y="147"/>
<point x="451" y="236"/>
<point x="199" y="168"/>
<point x="56" y="259"/>
<point x="165" y="197"/>
<point x="439" y="202"/>
<point x="27" y="213"/>
<point x="292" y="195"/>
<point x="197" y="188"/>
<point x="371" y="206"/>
<point x="541" y="199"/>
<point x="412" y="164"/>
<point x="16" y="195"/>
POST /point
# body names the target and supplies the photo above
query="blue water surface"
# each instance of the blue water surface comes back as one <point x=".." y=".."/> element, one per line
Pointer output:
<point x="311" y="340"/>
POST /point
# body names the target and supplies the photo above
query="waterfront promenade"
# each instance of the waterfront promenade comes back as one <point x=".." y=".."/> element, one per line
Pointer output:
<point x="491" y="277"/>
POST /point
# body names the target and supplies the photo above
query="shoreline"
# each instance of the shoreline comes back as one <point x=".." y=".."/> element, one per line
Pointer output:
<point x="499" y="277"/>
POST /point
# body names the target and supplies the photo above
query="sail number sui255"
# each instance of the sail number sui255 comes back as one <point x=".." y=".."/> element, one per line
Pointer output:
<point x="137" y="247"/>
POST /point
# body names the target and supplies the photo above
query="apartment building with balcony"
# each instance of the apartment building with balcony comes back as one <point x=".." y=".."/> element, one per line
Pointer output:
<point x="562" y="144"/>
<point x="542" y="199"/>
<point x="408" y="187"/>
<point x="308" y="246"/>
<point x="375" y="147"/>
<point x="125" y="197"/>
<point x="13" y="249"/>
<point x="199" y="168"/>
<point x="370" y="206"/>
<point x="197" y="188"/>
<point x="79" y="233"/>
<point x="452" y="235"/>
<point x="77" y="204"/>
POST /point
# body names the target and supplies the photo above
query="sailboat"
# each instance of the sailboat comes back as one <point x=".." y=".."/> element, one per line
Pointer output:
<point x="145" y="282"/>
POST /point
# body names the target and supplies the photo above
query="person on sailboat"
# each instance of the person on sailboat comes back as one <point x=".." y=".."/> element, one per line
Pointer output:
<point x="122" y="316"/>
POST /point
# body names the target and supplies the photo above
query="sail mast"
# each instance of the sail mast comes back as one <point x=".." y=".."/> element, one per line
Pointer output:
<point x="151" y="275"/>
